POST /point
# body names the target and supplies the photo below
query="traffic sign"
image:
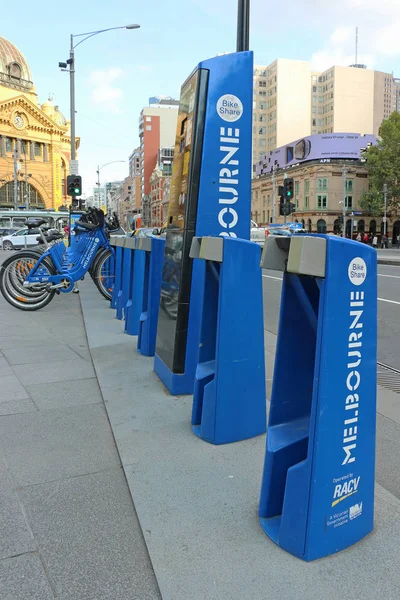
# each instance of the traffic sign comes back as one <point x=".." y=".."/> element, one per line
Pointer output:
<point x="74" y="167"/>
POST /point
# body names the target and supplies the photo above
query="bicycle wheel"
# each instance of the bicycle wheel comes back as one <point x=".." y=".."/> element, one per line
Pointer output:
<point x="13" y="273"/>
<point x="104" y="274"/>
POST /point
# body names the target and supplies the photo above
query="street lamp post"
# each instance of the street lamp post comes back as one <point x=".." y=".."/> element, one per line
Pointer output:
<point x="344" y="171"/>
<point x="384" y="207"/>
<point x="71" y="63"/>
<point x="99" y="167"/>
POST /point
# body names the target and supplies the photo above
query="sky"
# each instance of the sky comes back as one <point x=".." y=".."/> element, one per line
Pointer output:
<point x="117" y="71"/>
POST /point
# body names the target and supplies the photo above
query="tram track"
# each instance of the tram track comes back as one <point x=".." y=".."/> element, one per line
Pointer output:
<point x="388" y="377"/>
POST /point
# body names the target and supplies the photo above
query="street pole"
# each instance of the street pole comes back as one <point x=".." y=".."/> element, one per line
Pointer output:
<point x="72" y="104"/>
<point x="384" y="208"/>
<point x="15" y="179"/>
<point x="344" y="171"/>
<point x="98" y="185"/>
<point x="243" y="26"/>
<point x="273" y="194"/>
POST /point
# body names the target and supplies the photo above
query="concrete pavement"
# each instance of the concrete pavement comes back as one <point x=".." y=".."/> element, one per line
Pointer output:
<point x="68" y="527"/>
<point x="197" y="503"/>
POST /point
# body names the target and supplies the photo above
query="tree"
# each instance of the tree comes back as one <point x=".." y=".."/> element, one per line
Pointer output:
<point x="383" y="165"/>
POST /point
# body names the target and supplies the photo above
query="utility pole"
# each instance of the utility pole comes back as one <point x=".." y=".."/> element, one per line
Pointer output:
<point x="243" y="26"/>
<point x="71" y="63"/>
<point x="15" y="177"/>
<point x="344" y="171"/>
<point x="273" y="194"/>
<point x="384" y="208"/>
<point x="98" y="186"/>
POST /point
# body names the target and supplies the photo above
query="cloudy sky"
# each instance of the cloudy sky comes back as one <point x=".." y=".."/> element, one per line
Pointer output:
<point x="118" y="71"/>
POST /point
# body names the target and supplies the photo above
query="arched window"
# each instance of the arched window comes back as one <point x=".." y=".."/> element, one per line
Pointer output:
<point x="396" y="231"/>
<point x="372" y="226"/>
<point x="337" y="226"/>
<point x="361" y="226"/>
<point x="321" y="226"/>
<point x="303" y="224"/>
<point x="15" y="70"/>
<point x="27" y="196"/>
<point x="309" y="226"/>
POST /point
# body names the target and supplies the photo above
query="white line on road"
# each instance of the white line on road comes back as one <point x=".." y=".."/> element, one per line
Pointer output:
<point x="386" y="300"/>
<point x="381" y="299"/>
<point x="392" y="276"/>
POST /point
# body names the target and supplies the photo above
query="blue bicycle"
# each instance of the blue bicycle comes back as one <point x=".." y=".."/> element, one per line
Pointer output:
<point x="30" y="278"/>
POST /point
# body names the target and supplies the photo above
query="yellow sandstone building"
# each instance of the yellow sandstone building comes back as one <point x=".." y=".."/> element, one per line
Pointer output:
<point x="34" y="140"/>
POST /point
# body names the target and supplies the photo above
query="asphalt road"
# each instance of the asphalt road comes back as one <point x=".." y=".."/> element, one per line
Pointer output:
<point x="388" y="310"/>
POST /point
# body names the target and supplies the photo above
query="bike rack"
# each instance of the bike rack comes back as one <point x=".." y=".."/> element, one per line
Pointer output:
<point x="229" y="400"/>
<point x="154" y="253"/>
<point x="118" y="244"/>
<point x="317" y="494"/>
<point x="132" y="284"/>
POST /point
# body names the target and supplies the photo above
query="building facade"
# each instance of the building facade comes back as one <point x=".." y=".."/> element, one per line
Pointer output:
<point x="34" y="139"/>
<point x="157" y="129"/>
<point x="319" y="191"/>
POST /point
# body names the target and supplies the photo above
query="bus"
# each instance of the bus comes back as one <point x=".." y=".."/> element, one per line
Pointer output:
<point x="16" y="219"/>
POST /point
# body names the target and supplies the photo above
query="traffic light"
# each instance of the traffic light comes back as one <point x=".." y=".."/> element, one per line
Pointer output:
<point x="281" y="206"/>
<point x="74" y="185"/>
<point x="288" y="190"/>
<point x="292" y="208"/>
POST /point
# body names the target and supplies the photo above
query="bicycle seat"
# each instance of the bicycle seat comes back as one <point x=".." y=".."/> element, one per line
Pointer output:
<point x="84" y="225"/>
<point x="32" y="223"/>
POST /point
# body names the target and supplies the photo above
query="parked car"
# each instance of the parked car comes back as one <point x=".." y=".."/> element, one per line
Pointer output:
<point x="280" y="231"/>
<point x="20" y="239"/>
<point x="6" y="231"/>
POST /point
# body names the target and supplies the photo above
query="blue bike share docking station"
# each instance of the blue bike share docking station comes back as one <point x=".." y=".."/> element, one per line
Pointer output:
<point x="210" y="196"/>
<point x="317" y="495"/>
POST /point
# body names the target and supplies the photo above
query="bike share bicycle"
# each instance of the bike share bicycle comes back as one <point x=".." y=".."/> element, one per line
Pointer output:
<point x="30" y="278"/>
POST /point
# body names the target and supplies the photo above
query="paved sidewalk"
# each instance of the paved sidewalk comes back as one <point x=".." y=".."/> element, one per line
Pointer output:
<point x="197" y="503"/>
<point x="68" y="527"/>
<point x="389" y="256"/>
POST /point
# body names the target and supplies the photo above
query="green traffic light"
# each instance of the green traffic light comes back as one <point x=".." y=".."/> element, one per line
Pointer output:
<point x="76" y="191"/>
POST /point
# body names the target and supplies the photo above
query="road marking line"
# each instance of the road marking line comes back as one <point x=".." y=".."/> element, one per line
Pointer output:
<point x="384" y="275"/>
<point x="270" y="277"/>
<point x="391" y="301"/>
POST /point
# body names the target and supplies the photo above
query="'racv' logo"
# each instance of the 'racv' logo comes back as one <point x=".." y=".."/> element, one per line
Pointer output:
<point x="229" y="108"/>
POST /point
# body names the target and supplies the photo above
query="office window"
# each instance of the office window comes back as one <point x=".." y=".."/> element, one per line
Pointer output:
<point x="262" y="143"/>
<point x="269" y="199"/>
<point x="349" y="185"/>
<point x="322" y="201"/>
<point x="263" y="105"/>
<point x="296" y="187"/>
<point x="306" y="186"/>
<point x="297" y="203"/>
<point x="314" y="88"/>
<point x="262" y="118"/>
<point x="148" y="119"/>
<point x="262" y="130"/>
<point x="148" y="127"/>
<point x="263" y="200"/>
<point x="262" y="84"/>
<point x="322" y="184"/>
<point x="263" y="216"/>
<point x="314" y="122"/>
<point x="314" y="110"/>
<point x="256" y="195"/>
<point x="38" y="149"/>
<point x="262" y="92"/>
<point x="349" y="202"/>
<point x="9" y="145"/>
<point x="306" y="201"/>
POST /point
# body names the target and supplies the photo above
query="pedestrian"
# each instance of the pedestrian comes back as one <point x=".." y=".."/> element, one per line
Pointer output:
<point x="375" y="241"/>
<point x="358" y="238"/>
<point x="365" y="238"/>
<point x="384" y="241"/>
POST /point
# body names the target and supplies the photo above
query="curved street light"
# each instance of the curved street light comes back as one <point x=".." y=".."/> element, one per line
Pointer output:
<point x="71" y="64"/>
<point x="99" y="167"/>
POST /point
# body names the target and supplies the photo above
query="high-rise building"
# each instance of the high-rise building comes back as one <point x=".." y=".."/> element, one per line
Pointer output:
<point x="291" y="101"/>
<point x="352" y="99"/>
<point x="134" y="173"/>
<point x="157" y="129"/>
<point x="281" y="104"/>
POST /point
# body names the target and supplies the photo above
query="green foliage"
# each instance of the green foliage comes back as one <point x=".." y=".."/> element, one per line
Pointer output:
<point x="383" y="164"/>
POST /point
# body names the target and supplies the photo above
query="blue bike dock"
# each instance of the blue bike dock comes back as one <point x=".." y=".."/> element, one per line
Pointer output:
<point x="229" y="402"/>
<point x="118" y="244"/>
<point x="153" y="249"/>
<point x="317" y="494"/>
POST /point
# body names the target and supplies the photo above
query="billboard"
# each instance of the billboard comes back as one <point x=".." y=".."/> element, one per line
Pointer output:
<point x="323" y="147"/>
